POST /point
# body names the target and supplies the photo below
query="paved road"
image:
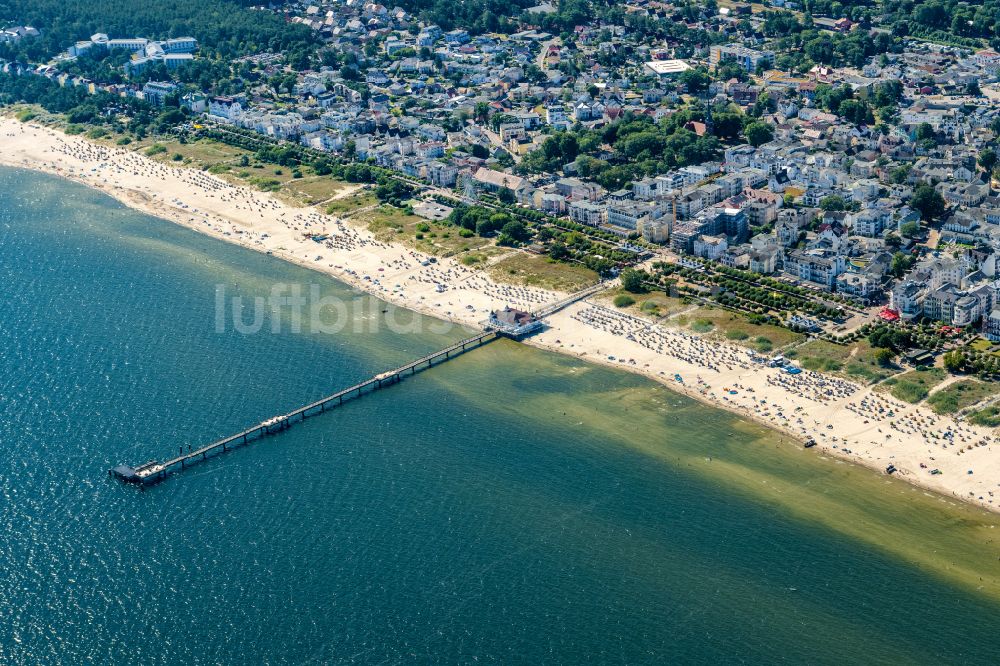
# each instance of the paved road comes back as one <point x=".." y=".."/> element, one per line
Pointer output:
<point x="545" y="49"/>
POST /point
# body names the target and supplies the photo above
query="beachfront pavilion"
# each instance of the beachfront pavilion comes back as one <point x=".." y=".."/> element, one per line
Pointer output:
<point x="514" y="323"/>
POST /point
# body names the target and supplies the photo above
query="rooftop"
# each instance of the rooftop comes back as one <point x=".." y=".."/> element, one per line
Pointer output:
<point x="664" y="67"/>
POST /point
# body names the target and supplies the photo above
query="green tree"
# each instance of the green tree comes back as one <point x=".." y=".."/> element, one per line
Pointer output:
<point x="910" y="229"/>
<point x="758" y="133"/>
<point x="727" y="125"/>
<point x="696" y="79"/>
<point x="928" y="201"/>
<point x="883" y="357"/>
<point x="833" y="202"/>
<point x="558" y="251"/>
<point x="900" y="264"/>
<point x="820" y="49"/>
<point x="516" y="231"/>
<point x="987" y="160"/>
<point x="633" y="280"/>
<point x="855" y="110"/>
<point x="899" y="175"/>
<point x="481" y="112"/>
<point x="954" y="361"/>
<point x="488" y="225"/>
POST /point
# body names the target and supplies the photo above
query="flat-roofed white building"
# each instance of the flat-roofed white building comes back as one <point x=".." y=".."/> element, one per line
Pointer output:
<point x="180" y="45"/>
<point x="134" y="44"/>
<point x="710" y="247"/>
<point x="666" y="68"/>
<point x="586" y="212"/>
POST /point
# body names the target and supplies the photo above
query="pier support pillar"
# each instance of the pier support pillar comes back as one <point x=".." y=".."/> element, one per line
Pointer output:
<point x="284" y="422"/>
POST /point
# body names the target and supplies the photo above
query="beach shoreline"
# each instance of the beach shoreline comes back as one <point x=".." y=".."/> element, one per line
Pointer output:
<point x="847" y="421"/>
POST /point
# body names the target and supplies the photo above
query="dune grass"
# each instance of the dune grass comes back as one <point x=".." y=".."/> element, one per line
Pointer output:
<point x="988" y="417"/>
<point x="960" y="395"/>
<point x="856" y="361"/>
<point x="915" y="385"/>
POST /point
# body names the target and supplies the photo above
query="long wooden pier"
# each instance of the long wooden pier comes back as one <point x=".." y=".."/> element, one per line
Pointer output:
<point x="154" y="471"/>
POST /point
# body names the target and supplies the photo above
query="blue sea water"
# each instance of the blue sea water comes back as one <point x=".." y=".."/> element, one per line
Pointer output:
<point x="511" y="506"/>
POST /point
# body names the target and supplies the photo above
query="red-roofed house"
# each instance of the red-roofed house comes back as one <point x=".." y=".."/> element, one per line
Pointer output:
<point x="696" y="127"/>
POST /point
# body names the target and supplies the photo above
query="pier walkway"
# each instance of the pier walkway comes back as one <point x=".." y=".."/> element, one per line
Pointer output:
<point x="553" y="308"/>
<point x="154" y="471"/>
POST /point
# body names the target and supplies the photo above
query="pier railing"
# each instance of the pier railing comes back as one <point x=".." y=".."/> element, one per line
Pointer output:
<point x="154" y="471"/>
<point x="553" y="308"/>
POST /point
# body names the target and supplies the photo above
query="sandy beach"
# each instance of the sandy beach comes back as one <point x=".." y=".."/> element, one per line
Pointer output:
<point x="847" y="420"/>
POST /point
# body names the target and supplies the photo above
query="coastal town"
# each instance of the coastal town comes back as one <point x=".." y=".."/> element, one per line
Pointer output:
<point x="872" y="183"/>
<point x="791" y="215"/>
<point x="500" y="331"/>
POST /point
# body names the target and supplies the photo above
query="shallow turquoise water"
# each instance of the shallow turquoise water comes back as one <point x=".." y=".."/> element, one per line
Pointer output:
<point x="511" y="506"/>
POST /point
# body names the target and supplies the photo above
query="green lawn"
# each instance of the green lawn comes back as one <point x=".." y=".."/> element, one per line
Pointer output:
<point x="980" y="344"/>
<point x="538" y="271"/>
<point x="652" y="304"/>
<point x="241" y="167"/>
<point x="913" y="386"/>
<point x="960" y="395"/>
<point x="989" y="417"/>
<point x="702" y="325"/>
<point x="313" y="189"/>
<point x="856" y="360"/>
<point x="353" y="201"/>
<point x="392" y="224"/>
<point x="735" y="327"/>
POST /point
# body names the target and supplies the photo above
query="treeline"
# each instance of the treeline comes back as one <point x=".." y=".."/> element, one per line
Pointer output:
<point x="960" y="22"/>
<point x="39" y="90"/>
<point x="390" y="189"/>
<point x="801" y="45"/>
<point x="476" y="16"/>
<point x="952" y="21"/>
<point x="562" y="240"/>
<point x="488" y="222"/>
<point x="672" y="27"/>
<point x="568" y="15"/>
<point x="640" y="147"/>
<point x="748" y="291"/>
<point x="842" y="101"/>
<point x="223" y="28"/>
<point x="80" y="107"/>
